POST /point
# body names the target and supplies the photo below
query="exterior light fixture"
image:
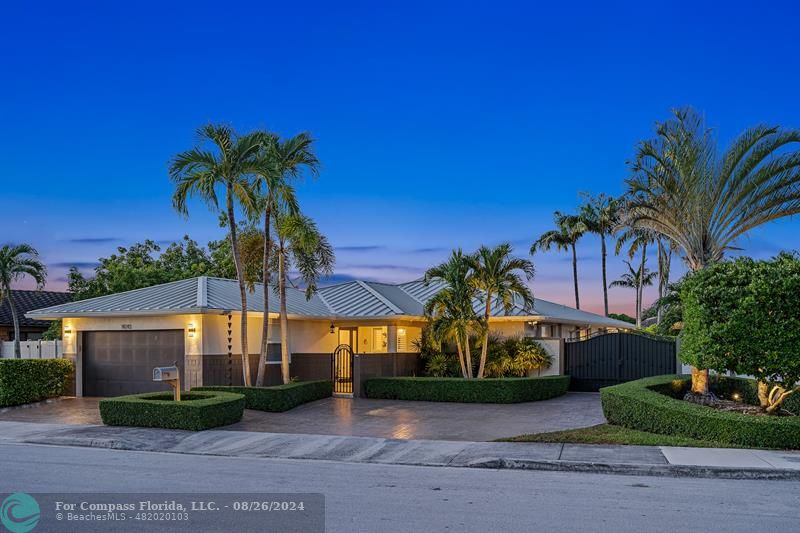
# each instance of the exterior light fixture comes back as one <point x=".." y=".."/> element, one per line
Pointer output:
<point x="191" y="330"/>
<point x="333" y="328"/>
<point x="67" y="330"/>
<point x="736" y="396"/>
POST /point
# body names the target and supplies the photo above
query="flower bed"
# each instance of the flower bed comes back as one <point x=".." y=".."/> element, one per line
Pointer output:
<point x="654" y="405"/>
<point x="32" y="380"/>
<point x="196" y="410"/>
<point x="486" y="390"/>
<point x="280" y="397"/>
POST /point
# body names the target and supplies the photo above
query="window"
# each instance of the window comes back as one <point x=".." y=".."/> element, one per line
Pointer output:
<point x="402" y="340"/>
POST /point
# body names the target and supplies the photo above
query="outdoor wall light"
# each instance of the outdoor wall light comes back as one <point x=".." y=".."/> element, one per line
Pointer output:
<point x="333" y="328"/>
<point x="191" y="330"/>
<point x="67" y="330"/>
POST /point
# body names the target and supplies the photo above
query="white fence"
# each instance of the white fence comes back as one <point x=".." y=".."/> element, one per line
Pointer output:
<point x="33" y="349"/>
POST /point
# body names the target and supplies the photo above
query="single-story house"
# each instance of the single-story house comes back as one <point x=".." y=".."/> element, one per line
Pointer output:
<point x="116" y="340"/>
<point x="30" y="329"/>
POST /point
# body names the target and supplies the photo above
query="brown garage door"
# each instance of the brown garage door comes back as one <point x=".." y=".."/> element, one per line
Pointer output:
<point x="121" y="362"/>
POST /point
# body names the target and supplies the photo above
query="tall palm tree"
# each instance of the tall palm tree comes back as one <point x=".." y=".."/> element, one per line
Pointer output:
<point x="16" y="261"/>
<point x="600" y="214"/>
<point x="450" y="311"/>
<point x="495" y="272"/>
<point x="637" y="239"/>
<point x="666" y="247"/>
<point x="634" y="279"/>
<point x="569" y="229"/>
<point x="280" y="163"/>
<point x="221" y="160"/>
<point x="704" y="200"/>
<point x="299" y="245"/>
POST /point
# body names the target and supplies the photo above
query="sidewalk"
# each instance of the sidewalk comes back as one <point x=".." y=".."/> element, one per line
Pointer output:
<point x="632" y="460"/>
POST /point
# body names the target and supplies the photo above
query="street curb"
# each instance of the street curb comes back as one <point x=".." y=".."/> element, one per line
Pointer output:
<point x="665" y="470"/>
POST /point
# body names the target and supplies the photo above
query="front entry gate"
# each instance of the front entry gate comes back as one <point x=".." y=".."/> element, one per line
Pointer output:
<point x="342" y="370"/>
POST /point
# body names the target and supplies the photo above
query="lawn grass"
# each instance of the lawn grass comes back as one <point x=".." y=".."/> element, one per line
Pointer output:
<point x="610" y="434"/>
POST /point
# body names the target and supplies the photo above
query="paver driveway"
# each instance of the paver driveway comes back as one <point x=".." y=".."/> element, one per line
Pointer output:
<point x="378" y="418"/>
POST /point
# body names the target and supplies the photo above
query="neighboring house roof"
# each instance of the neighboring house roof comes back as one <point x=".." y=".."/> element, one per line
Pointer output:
<point x="26" y="301"/>
<point x="354" y="299"/>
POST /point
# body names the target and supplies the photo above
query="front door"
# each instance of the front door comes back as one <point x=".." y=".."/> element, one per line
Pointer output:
<point x="349" y="336"/>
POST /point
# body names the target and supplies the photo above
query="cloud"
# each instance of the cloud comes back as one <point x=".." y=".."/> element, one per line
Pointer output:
<point x="76" y="264"/>
<point x="430" y="249"/>
<point x="360" y="248"/>
<point x="368" y="266"/>
<point x="334" y="279"/>
<point x="95" y="240"/>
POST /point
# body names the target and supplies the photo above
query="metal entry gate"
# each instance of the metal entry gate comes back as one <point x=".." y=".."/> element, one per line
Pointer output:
<point x="614" y="358"/>
<point x="342" y="369"/>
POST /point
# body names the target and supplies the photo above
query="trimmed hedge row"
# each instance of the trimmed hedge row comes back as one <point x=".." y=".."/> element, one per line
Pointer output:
<point x="486" y="390"/>
<point x="32" y="380"/>
<point x="280" y="397"/>
<point x="652" y="404"/>
<point x="196" y="411"/>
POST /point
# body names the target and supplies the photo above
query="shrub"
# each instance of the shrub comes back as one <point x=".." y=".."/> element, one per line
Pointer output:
<point x="652" y="404"/>
<point x="487" y="390"/>
<point x="744" y="316"/>
<point x="32" y="380"/>
<point x="515" y="357"/>
<point x="196" y="411"/>
<point x="280" y="397"/>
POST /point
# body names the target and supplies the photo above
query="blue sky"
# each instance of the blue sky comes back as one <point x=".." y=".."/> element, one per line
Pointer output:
<point x="438" y="124"/>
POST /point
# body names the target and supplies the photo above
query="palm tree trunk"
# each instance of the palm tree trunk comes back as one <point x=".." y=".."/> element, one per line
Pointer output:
<point x="640" y="288"/>
<point x="237" y="260"/>
<point x="575" y="276"/>
<point x="461" y="357"/>
<point x="15" y="320"/>
<point x="284" y="318"/>
<point x="485" y="348"/>
<point x="262" y="359"/>
<point x="469" y="356"/>
<point x="603" y="254"/>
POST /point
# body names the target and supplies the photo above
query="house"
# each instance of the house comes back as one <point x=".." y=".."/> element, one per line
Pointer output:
<point x="116" y="340"/>
<point x="30" y="329"/>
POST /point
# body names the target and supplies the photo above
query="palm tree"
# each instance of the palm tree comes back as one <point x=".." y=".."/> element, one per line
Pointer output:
<point x="634" y="279"/>
<point x="666" y="247"/>
<point x="17" y="261"/>
<point x="638" y="239"/>
<point x="450" y="311"/>
<point x="224" y="160"/>
<point x="683" y="189"/>
<point x="300" y="245"/>
<point x="280" y="162"/>
<point x="569" y="229"/>
<point x="495" y="273"/>
<point x="600" y="214"/>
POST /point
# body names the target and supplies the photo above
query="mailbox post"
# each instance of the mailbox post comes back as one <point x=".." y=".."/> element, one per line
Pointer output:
<point x="171" y="375"/>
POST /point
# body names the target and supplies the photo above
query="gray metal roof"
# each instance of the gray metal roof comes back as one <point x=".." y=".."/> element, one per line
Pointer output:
<point x="354" y="299"/>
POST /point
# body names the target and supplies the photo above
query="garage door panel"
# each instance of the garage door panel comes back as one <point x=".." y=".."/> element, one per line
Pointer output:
<point x="121" y="362"/>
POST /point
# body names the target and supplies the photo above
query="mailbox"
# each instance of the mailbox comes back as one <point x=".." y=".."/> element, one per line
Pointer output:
<point x="165" y="373"/>
<point x="171" y="375"/>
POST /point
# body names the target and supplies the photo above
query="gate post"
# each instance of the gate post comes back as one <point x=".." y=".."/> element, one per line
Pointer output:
<point x="356" y="376"/>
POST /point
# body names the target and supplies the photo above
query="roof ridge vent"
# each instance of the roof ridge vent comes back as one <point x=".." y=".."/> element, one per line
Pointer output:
<point x="202" y="292"/>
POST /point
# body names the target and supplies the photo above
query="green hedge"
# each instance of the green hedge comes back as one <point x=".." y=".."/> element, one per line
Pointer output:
<point x="196" y="410"/>
<point x="653" y="404"/>
<point x="486" y="390"/>
<point x="32" y="380"/>
<point x="280" y="397"/>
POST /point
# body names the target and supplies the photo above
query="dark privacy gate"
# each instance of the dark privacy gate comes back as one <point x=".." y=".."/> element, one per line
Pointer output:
<point x="614" y="358"/>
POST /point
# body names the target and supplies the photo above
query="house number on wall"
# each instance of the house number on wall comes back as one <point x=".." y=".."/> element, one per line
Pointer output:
<point x="127" y="326"/>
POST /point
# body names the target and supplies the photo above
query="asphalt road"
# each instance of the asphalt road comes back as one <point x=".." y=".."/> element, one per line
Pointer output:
<point x="387" y="498"/>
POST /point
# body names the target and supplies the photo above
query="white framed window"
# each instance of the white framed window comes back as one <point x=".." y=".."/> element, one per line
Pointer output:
<point x="402" y="340"/>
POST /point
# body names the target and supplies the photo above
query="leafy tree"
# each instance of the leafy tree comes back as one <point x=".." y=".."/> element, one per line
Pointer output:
<point x="222" y="160"/>
<point x="16" y="262"/>
<point x="496" y="274"/>
<point x="569" y="230"/>
<point x="744" y="316"/>
<point x="635" y="279"/>
<point x="600" y="215"/>
<point x="450" y="312"/>
<point x="623" y="317"/>
<point x="280" y="162"/>
<point x="300" y="245"/>
<point x="704" y="200"/>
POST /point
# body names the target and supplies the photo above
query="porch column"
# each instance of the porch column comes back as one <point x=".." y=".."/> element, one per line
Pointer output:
<point x="391" y="332"/>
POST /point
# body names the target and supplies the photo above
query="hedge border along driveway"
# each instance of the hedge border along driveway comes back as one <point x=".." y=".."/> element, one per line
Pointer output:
<point x="32" y="380"/>
<point x="196" y="410"/>
<point x="647" y="405"/>
<point x="485" y="390"/>
<point x="279" y="398"/>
